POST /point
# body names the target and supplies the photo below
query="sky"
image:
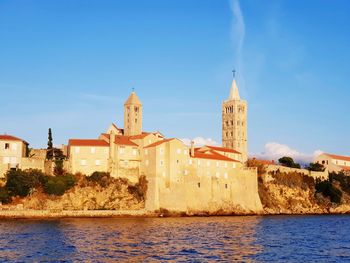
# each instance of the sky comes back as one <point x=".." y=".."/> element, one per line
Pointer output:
<point x="70" y="65"/>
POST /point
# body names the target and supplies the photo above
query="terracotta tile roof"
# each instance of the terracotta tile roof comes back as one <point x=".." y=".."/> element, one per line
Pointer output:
<point x="159" y="143"/>
<point x="221" y="149"/>
<point x="338" y="157"/>
<point x="213" y="156"/>
<point x="124" y="140"/>
<point x="6" y="137"/>
<point x="87" y="142"/>
<point x="119" y="139"/>
<point x="140" y="136"/>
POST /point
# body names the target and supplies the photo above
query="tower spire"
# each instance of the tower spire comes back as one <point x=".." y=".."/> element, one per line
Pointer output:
<point x="234" y="93"/>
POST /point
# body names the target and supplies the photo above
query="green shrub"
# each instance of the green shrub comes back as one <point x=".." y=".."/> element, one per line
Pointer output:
<point x="59" y="185"/>
<point x="139" y="190"/>
<point x="288" y="162"/>
<point x="329" y="190"/>
<point x="4" y="195"/>
<point x="22" y="182"/>
<point x="316" y="167"/>
<point x="102" y="178"/>
<point x="343" y="180"/>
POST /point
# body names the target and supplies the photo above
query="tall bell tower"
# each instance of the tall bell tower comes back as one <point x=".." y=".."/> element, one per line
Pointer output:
<point x="234" y="122"/>
<point x="132" y="115"/>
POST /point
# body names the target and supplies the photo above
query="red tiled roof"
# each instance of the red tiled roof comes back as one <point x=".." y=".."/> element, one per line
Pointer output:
<point x="124" y="140"/>
<point x="221" y="149"/>
<point x="6" y="137"/>
<point x="87" y="142"/>
<point x="140" y="136"/>
<point x="159" y="143"/>
<point x="119" y="139"/>
<point x="338" y="157"/>
<point x="213" y="156"/>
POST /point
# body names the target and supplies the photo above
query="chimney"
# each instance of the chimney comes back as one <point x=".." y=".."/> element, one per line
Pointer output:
<point x="192" y="149"/>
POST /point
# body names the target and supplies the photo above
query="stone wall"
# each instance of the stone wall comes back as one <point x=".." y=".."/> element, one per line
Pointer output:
<point x="316" y="175"/>
<point x="207" y="194"/>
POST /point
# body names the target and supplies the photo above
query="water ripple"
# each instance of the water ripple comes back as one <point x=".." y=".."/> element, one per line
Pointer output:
<point x="224" y="239"/>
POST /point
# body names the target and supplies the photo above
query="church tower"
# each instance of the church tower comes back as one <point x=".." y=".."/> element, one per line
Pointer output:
<point x="234" y="122"/>
<point x="132" y="116"/>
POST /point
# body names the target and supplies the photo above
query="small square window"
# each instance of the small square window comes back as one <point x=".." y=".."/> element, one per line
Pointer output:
<point x="7" y="146"/>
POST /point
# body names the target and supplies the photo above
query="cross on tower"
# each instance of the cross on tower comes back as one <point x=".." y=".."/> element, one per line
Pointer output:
<point x="234" y="73"/>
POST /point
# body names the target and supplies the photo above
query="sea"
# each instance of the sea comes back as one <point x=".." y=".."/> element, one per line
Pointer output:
<point x="324" y="238"/>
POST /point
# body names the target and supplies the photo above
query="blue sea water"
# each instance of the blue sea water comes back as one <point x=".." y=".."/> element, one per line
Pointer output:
<point x="197" y="239"/>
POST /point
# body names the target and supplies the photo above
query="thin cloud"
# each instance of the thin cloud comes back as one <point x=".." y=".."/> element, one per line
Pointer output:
<point x="200" y="141"/>
<point x="274" y="151"/>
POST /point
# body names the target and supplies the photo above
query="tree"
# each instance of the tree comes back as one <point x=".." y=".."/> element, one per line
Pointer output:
<point x="316" y="167"/>
<point x="288" y="162"/>
<point x="50" y="150"/>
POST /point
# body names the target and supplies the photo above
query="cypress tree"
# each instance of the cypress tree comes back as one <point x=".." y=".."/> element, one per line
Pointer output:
<point x="49" y="152"/>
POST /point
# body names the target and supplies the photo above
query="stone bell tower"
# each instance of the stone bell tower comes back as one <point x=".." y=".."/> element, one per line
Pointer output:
<point x="234" y="122"/>
<point x="132" y="115"/>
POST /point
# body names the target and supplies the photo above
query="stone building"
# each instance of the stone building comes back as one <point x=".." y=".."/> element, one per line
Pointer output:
<point x="333" y="162"/>
<point x="234" y="123"/>
<point x="180" y="177"/>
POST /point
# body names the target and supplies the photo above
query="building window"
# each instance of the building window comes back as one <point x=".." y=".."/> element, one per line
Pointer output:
<point x="225" y="175"/>
<point x="161" y="162"/>
<point x="161" y="150"/>
<point x="164" y="174"/>
<point x="77" y="149"/>
<point x="135" y="120"/>
<point x="83" y="162"/>
<point x="185" y="172"/>
<point x="199" y="185"/>
<point x="185" y="152"/>
<point x="217" y="164"/>
<point x="134" y="152"/>
<point x="232" y="123"/>
<point x="177" y="161"/>
<point x="7" y="146"/>
<point x="14" y="147"/>
<point x="121" y="150"/>
<point x="226" y="186"/>
<point x="199" y="163"/>
<point x="233" y="165"/>
<point x="208" y="163"/>
<point x="225" y="165"/>
<point x="98" y="162"/>
<point x="190" y="162"/>
<point x="146" y="152"/>
<point x="178" y="151"/>
<point x="93" y="149"/>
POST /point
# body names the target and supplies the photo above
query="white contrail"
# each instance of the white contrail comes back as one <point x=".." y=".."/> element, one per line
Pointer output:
<point x="237" y="35"/>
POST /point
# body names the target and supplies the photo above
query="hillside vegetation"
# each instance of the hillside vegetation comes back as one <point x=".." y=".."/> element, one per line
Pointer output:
<point x="34" y="190"/>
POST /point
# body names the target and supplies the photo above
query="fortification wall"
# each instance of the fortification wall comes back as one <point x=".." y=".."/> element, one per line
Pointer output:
<point x="33" y="163"/>
<point x="238" y="193"/>
<point x="316" y="175"/>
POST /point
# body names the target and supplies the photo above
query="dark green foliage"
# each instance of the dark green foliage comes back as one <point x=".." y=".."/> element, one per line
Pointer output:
<point x="58" y="185"/>
<point x="288" y="162"/>
<point x="22" y="182"/>
<point x="101" y="178"/>
<point x="4" y="195"/>
<point x="329" y="190"/>
<point x="316" y="167"/>
<point x="50" y="152"/>
<point x="343" y="180"/>
<point x="139" y="190"/>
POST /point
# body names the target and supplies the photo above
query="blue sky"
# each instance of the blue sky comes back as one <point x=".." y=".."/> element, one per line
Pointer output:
<point x="70" y="65"/>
